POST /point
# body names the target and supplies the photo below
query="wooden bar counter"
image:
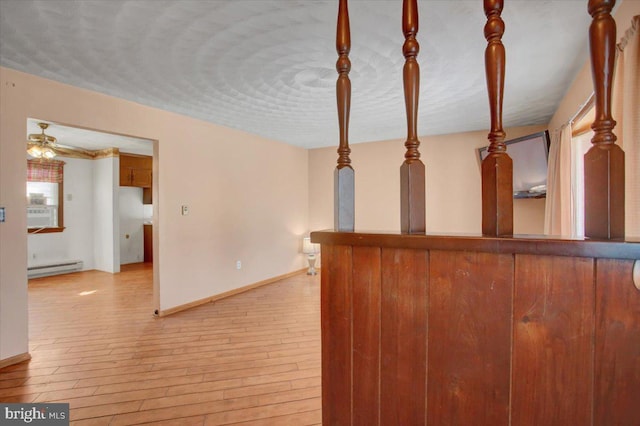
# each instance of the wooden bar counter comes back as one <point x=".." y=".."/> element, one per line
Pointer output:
<point x="462" y="330"/>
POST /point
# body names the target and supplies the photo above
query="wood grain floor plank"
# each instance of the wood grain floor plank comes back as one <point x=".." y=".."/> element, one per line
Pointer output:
<point x="267" y="388"/>
<point x="292" y="395"/>
<point x="104" y="410"/>
<point x="186" y="399"/>
<point x="37" y="388"/>
<point x="252" y="373"/>
<point x="308" y="382"/>
<point x="183" y="421"/>
<point x="298" y="419"/>
<point x="252" y="358"/>
<point x="203" y="387"/>
<point x="87" y="374"/>
<point x="12" y="383"/>
<point x="261" y="412"/>
<point x="148" y="384"/>
<point x="112" y="398"/>
<point x="97" y="366"/>
<point x="65" y="395"/>
<point x="20" y="398"/>
<point x="179" y="411"/>
<point x="263" y="362"/>
<point x="205" y="359"/>
<point x="95" y="421"/>
<point x="46" y="363"/>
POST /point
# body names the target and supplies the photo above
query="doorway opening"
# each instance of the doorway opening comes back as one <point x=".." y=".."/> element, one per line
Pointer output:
<point x="105" y="200"/>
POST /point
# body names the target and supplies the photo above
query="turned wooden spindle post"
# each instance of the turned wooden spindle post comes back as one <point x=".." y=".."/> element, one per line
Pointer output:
<point x="604" y="162"/>
<point x="412" y="171"/>
<point x="497" y="167"/>
<point x="343" y="175"/>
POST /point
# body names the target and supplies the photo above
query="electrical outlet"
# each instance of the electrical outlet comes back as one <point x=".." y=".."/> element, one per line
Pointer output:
<point x="2" y="214"/>
<point x="238" y="264"/>
<point x="185" y="210"/>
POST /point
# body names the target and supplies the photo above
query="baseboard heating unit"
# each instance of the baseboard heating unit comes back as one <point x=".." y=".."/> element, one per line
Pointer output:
<point x="54" y="268"/>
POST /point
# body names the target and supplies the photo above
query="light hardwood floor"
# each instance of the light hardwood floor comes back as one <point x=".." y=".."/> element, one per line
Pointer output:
<point x="251" y="359"/>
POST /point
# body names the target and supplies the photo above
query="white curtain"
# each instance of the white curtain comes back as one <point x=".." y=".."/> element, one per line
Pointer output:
<point x="558" y="207"/>
<point x="626" y="111"/>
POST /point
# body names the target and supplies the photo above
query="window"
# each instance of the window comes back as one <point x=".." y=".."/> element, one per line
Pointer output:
<point x="580" y="144"/>
<point x="45" y="196"/>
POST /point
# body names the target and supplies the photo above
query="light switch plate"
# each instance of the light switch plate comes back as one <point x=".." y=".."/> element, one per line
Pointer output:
<point x="185" y="210"/>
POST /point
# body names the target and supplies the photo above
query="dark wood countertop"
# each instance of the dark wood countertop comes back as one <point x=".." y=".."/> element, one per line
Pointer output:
<point x="524" y="244"/>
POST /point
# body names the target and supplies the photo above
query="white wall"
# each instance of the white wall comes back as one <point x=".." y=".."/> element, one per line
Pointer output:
<point x="147" y="213"/>
<point x="582" y="86"/>
<point x="453" y="185"/>
<point x="106" y="216"/>
<point x="13" y="232"/>
<point x="131" y="214"/>
<point x="76" y="242"/>
<point x="89" y="207"/>
<point x="248" y="197"/>
<point x="577" y="95"/>
<point x="528" y="216"/>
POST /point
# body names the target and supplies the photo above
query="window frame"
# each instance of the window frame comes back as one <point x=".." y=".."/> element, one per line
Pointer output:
<point x="581" y="135"/>
<point x="60" y="227"/>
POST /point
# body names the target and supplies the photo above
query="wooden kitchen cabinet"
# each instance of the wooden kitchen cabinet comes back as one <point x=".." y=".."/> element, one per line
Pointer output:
<point x="136" y="170"/>
<point x="141" y="178"/>
<point x="148" y="242"/>
<point x="147" y="198"/>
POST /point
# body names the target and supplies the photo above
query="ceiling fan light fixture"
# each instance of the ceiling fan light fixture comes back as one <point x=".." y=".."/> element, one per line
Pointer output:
<point x="48" y="153"/>
<point x="40" y="145"/>
<point x="34" y="150"/>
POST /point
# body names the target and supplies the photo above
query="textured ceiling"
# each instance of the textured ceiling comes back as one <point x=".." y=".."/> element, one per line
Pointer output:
<point x="76" y="137"/>
<point x="268" y="67"/>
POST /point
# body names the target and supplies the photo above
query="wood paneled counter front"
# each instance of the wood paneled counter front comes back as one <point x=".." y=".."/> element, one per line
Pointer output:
<point x="428" y="329"/>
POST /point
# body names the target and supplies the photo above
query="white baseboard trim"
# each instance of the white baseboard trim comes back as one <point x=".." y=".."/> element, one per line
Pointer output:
<point x="164" y="313"/>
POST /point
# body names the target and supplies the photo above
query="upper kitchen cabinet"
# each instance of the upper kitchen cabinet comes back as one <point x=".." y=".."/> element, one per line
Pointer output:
<point x="135" y="170"/>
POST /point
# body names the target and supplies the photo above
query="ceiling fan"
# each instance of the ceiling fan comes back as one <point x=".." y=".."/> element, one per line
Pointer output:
<point x="41" y="145"/>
